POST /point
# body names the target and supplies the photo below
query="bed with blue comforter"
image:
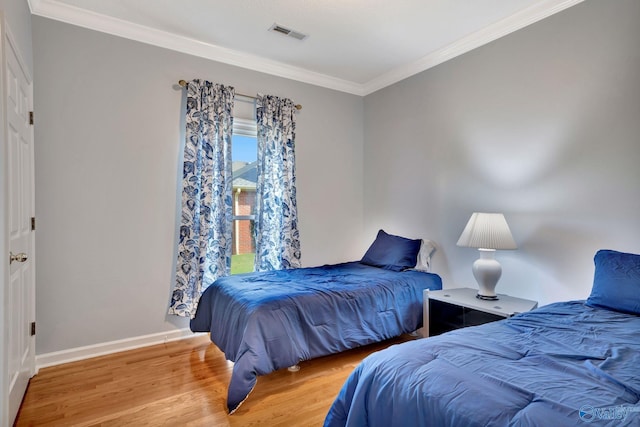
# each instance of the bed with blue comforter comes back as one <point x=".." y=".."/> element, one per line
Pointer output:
<point x="568" y="363"/>
<point x="272" y="320"/>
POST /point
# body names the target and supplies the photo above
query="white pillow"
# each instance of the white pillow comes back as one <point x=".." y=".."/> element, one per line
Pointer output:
<point x="427" y="249"/>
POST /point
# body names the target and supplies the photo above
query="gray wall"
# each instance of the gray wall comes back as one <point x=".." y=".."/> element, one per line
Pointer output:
<point x="108" y="139"/>
<point x="542" y="125"/>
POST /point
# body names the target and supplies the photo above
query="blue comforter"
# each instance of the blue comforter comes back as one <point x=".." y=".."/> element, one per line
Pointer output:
<point x="560" y="365"/>
<point x="271" y="320"/>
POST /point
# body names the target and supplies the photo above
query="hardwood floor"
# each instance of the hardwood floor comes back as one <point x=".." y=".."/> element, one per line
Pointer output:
<point x="183" y="383"/>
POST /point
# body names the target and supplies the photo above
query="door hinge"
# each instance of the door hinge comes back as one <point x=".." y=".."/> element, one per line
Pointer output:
<point x="30" y="117"/>
<point x="33" y="223"/>
<point x="33" y="328"/>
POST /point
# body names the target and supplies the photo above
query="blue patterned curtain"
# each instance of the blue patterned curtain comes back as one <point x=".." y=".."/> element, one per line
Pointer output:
<point x="204" y="247"/>
<point x="277" y="236"/>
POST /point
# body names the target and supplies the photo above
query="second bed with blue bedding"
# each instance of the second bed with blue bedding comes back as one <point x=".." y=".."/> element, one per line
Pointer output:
<point x="565" y="364"/>
<point x="540" y="368"/>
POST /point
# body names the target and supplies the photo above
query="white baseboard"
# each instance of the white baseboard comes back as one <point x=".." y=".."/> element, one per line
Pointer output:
<point x="101" y="349"/>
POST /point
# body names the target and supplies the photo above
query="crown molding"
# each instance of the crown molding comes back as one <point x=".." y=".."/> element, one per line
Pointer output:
<point x="81" y="17"/>
<point x="94" y="21"/>
<point x="481" y="37"/>
<point x="33" y="5"/>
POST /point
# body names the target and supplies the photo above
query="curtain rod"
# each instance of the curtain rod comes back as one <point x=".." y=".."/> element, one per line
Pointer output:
<point x="183" y="83"/>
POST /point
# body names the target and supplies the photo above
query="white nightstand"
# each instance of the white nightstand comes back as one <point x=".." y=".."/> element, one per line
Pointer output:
<point x="450" y="309"/>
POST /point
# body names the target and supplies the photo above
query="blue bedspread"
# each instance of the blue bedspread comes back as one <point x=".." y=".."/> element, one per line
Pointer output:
<point x="272" y="320"/>
<point x="564" y="364"/>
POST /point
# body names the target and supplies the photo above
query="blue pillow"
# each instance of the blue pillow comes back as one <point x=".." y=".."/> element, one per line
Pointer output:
<point x="616" y="283"/>
<point x="392" y="252"/>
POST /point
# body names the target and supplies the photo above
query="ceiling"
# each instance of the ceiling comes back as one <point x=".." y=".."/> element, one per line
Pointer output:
<point x="354" y="46"/>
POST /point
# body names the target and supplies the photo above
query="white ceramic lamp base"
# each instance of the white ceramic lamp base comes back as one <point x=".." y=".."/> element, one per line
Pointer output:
<point x="487" y="272"/>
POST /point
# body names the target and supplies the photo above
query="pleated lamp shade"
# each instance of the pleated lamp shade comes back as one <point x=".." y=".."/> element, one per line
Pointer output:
<point x="487" y="231"/>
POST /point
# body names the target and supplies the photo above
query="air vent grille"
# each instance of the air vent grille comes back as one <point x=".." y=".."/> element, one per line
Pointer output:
<point x="277" y="28"/>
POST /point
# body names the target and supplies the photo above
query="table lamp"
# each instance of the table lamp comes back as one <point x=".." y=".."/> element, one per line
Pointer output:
<point x="487" y="232"/>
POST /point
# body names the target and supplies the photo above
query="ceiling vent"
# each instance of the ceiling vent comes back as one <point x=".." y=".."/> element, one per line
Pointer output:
<point x="277" y="28"/>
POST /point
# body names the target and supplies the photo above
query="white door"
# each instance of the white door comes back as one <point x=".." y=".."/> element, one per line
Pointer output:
<point x="20" y="295"/>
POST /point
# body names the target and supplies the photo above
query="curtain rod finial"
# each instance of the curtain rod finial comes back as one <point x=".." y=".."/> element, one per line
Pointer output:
<point x="182" y="83"/>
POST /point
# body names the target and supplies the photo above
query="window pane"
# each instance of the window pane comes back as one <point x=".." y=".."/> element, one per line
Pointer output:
<point x="244" y="149"/>
<point x="244" y="155"/>
<point x="244" y="247"/>
<point x="243" y="242"/>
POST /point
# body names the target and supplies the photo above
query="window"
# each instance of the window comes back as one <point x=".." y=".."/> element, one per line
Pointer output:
<point x="244" y="155"/>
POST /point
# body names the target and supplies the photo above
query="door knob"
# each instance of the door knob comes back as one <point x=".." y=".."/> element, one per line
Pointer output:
<point x="21" y="257"/>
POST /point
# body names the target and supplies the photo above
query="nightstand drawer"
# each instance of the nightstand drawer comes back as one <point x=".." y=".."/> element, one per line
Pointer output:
<point x="446" y="317"/>
<point x="450" y="309"/>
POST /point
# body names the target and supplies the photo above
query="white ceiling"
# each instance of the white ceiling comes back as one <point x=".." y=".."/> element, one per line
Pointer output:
<point x="355" y="46"/>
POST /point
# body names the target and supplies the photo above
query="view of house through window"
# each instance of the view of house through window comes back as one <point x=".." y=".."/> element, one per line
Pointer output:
<point x="244" y="148"/>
